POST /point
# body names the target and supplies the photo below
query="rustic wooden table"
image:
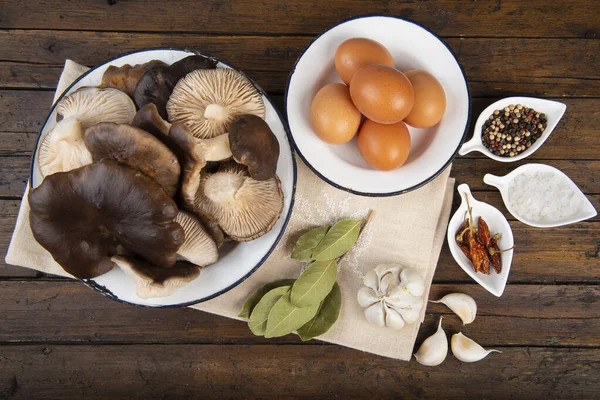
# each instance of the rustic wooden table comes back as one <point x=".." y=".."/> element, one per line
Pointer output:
<point x="59" y="339"/>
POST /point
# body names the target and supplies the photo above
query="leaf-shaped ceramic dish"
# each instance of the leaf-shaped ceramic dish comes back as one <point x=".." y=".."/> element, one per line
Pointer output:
<point x="494" y="282"/>
<point x="585" y="210"/>
<point x="553" y="110"/>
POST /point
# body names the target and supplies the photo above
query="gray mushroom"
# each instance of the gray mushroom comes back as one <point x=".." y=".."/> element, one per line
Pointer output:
<point x="243" y="207"/>
<point x="91" y="105"/>
<point x="136" y="148"/>
<point x="63" y="148"/>
<point x="152" y="281"/>
<point x="207" y="101"/>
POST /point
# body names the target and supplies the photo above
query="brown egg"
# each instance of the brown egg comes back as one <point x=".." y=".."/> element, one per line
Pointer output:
<point x="357" y="53"/>
<point x="383" y="94"/>
<point x="333" y="116"/>
<point x="430" y="99"/>
<point x="384" y="146"/>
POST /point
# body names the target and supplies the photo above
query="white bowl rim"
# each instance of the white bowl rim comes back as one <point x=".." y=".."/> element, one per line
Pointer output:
<point x="380" y="194"/>
<point x="102" y="289"/>
<point x="476" y="143"/>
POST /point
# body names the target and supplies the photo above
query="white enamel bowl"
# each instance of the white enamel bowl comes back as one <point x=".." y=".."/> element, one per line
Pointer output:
<point x="493" y="283"/>
<point x="432" y="150"/>
<point x="553" y="110"/>
<point x="503" y="183"/>
<point x="235" y="263"/>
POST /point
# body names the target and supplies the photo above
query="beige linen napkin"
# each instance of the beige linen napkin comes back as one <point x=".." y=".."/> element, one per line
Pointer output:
<point x="407" y="229"/>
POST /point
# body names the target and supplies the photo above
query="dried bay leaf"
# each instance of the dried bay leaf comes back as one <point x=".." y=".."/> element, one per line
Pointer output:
<point x="314" y="284"/>
<point x="338" y="240"/>
<point x="285" y="317"/>
<point x="259" y="293"/>
<point x="329" y="311"/>
<point x="307" y="243"/>
<point x="259" y="316"/>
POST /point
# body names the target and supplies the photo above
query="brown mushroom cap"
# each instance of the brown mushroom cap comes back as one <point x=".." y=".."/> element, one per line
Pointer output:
<point x="136" y="148"/>
<point x="82" y="216"/>
<point x="208" y="100"/>
<point x="152" y="281"/>
<point x="156" y="85"/>
<point x="243" y="207"/>
<point x="126" y="77"/>
<point x="253" y="144"/>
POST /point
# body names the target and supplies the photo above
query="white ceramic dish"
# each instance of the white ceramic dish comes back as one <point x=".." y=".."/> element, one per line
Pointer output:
<point x="553" y="110"/>
<point x="585" y="211"/>
<point x="235" y="263"/>
<point x="493" y="283"/>
<point x="342" y="166"/>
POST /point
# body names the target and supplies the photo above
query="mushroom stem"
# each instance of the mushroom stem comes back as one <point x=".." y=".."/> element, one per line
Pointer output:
<point x="215" y="149"/>
<point x="216" y="112"/>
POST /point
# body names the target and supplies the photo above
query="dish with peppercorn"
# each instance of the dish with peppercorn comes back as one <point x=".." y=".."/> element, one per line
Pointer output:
<point x="513" y="128"/>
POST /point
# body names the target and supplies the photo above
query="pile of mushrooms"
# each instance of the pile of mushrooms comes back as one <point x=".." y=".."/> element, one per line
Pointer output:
<point x="153" y="171"/>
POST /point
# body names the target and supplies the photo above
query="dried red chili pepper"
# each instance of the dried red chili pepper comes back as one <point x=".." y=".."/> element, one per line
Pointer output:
<point x="494" y="251"/>
<point x="484" y="232"/>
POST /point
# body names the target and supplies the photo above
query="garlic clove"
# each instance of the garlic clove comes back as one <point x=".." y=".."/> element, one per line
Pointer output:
<point x="410" y="315"/>
<point x="393" y="320"/>
<point x="467" y="350"/>
<point x="412" y="280"/>
<point x="400" y="298"/>
<point x="434" y="349"/>
<point x="376" y="314"/>
<point x="462" y="304"/>
<point x="366" y="297"/>
<point x="371" y="280"/>
<point x="386" y="283"/>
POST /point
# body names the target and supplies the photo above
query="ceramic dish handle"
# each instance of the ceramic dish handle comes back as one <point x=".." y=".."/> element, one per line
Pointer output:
<point x="464" y="190"/>
<point x="471" y="145"/>
<point x="493" y="180"/>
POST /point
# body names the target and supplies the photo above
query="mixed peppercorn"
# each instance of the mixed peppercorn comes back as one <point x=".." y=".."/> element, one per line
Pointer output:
<point x="512" y="130"/>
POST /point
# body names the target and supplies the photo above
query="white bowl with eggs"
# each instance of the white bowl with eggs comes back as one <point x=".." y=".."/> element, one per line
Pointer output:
<point x="431" y="149"/>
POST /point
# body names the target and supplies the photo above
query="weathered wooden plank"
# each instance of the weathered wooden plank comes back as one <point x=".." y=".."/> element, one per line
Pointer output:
<point x="507" y="18"/>
<point x="69" y="312"/>
<point x="574" y="138"/>
<point x="285" y="372"/>
<point x="493" y="66"/>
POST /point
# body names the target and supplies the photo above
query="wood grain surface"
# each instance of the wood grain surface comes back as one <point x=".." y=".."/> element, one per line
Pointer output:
<point x="61" y="340"/>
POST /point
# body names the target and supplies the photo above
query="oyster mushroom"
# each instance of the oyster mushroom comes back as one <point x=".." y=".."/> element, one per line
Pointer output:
<point x="63" y="148"/>
<point x="91" y="105"/>
<point x="126" y="77"/>
<point x="152" y="281"/>
<point x="198" y="248"/>
<point x="136" y="148"/>
<point x="253" y="144"/>
<point x="84" y="216"/>
<point x="207" y="101"/>
<point x="243" y="207"/>
<point x="156" y="85"/>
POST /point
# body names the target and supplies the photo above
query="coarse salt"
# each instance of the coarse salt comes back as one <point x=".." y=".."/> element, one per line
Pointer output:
<point x="543" y="196"/>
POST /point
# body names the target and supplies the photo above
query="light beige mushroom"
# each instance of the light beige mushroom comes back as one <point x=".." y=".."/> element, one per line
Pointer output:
<point x="207" y="101"/>
<point x="243" y="207"/>
<point x="198" y="248"/>
<point x="63" y="148"/>
<point x="152" y="281"/>
<point x="91" y="105"/>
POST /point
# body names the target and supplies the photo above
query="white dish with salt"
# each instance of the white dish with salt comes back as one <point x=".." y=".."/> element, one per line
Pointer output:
<point x="542" y="196"/>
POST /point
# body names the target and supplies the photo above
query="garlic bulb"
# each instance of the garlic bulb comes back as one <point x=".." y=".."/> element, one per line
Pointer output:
<point x="467" y="350"/>
<point x="434" y="349"/>
<point x="462" y="304"/>
<point x="392" y="296"/>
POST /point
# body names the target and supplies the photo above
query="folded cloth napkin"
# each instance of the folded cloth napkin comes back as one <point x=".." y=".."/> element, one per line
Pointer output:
<point x="407" y="229"/>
